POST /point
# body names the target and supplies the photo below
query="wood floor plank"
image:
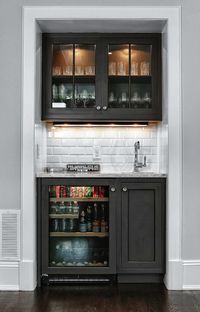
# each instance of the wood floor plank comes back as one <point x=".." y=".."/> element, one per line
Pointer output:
<point x="121" y="298"/>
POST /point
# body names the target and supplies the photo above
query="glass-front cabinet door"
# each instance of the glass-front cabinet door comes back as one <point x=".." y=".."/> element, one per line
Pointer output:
<point x="73" y="76"/>
<point x="78" y="226"/>
<point x="130" y="82"/>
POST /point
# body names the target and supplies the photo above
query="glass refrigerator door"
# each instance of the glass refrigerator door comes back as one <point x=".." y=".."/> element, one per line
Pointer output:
<point x="78" y="226"/>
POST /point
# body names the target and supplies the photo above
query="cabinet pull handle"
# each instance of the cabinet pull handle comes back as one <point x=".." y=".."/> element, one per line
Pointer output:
<point x="105" y="107"/>
<point x="124" y="189"/>
<point x="98" y="108"/>
<point x="113" y="189"/>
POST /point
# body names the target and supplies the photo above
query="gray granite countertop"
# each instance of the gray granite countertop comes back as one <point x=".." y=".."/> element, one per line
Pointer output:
<point x="101" y="175"/>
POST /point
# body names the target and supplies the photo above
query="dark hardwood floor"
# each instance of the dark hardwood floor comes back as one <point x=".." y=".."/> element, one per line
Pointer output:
<point x="123" y="298"/>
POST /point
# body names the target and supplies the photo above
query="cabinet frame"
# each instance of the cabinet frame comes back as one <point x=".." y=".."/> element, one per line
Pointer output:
<point x="102" y="40"/>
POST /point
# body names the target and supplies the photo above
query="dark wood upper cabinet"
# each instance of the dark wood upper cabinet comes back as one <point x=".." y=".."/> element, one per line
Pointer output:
<point x="101" y="77"/>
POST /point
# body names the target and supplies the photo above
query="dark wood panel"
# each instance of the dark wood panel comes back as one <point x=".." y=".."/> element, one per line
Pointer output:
<point x="124" y="298"/>
<point x="141" y="226"/>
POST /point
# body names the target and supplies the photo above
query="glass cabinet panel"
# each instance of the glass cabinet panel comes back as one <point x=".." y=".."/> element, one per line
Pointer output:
<point x="141" y="84"/>
<point x="73" y="76"/>
<point x="129" y="76"/>
<point x="84" y="75"/>
<point x="118" y="76"/>
<point x="78" y="226"/>
<point x="62" y="76"/>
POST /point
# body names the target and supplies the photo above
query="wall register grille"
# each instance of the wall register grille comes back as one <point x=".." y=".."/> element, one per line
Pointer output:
<point x="9" y="235"/>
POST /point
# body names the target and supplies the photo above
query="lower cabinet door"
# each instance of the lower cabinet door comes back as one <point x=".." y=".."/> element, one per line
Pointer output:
<point x="142" y="230"/>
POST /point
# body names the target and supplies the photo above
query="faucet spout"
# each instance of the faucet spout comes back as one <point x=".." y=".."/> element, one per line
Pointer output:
<point x="137" y="164"/>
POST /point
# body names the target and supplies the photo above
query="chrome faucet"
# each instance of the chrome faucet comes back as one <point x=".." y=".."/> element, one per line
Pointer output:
<point x="137" y="164"/>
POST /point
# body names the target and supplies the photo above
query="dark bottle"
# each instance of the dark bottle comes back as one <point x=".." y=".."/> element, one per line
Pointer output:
<point x="103" y="224"/>
<point x="83" y="223"/>
<point x="55" y="225"/>
<point x="64" y="225"/>
<point x="89" y="218"/>
<point x="95" y="222"/>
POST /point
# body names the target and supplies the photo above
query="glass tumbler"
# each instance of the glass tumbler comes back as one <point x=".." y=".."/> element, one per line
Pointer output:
<point x="144" y="69"/>
<point x="112" y="69"/>
<point x="121" y="69"/>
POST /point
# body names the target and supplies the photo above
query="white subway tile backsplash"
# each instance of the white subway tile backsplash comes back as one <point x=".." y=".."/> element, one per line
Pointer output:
<point x="75" y="144"/>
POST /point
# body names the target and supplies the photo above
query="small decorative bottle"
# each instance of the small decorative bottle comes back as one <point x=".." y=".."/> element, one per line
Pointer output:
<point x="103" y="224"/>
<point x="83" y="223"/>
<point x="95" y="223"/>
<point x="89" y="218"/>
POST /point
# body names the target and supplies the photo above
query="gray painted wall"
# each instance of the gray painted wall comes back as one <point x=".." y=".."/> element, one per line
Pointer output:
<point x="10" y="95"/>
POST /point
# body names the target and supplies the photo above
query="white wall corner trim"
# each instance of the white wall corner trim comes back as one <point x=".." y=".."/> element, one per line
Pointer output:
<point x="174" y="196"/>
<point x="9" y="275"/>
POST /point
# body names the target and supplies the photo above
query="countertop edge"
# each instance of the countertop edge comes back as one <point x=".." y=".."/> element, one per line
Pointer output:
<point x="101" y="175"/>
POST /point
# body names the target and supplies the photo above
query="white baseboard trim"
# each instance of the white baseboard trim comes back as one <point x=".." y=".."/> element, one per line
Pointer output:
<point x="9" y="288"/>
<point x="174" y="275"/>
<point x="27" y="275"/>
<point x="9" y="275"/>
<point x="183" y="275"/>
<point x="191" y="274"/>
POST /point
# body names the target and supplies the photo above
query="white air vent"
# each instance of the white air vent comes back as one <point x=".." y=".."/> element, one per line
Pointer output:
<point x="9" y="235"/>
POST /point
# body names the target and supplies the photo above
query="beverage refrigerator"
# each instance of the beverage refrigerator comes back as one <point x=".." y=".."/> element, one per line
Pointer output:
<point x="76" y="230"/>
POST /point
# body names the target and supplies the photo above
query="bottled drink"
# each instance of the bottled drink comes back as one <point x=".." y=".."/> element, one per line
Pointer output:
<point x="103" y="224"/>
<point x="75" y="208"/>
<point x="83" y="223"/>
<point x="95" y="223"/>
<point x="55" y="225"/>
<point x="62" y="208"/>
<point x="89" y="218"/>
<point x="54" y="208"/>
<point x="64" y="225"/>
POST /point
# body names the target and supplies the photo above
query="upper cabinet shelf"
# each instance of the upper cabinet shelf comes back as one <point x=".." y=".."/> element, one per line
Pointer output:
<point x="101" y="77"/>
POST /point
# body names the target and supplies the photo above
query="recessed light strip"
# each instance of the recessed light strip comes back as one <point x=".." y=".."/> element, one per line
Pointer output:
<point x="136" y="124"/>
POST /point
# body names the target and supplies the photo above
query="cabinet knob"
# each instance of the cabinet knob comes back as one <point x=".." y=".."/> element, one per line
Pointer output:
<point x="124" y="189"/>
<point x="105" y="107"/>
<point x="113" y="189"/>
<point x="98" y="108"/>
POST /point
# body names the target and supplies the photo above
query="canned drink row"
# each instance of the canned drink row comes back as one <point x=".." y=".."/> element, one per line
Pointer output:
<point x="64" y="208"/>
<point x="63" y="225"/>
<point x="62" y="191"/>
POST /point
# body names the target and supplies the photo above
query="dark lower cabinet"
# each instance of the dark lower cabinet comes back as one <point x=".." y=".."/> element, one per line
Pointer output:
<point x="141" y="221"/>
<point x="97" y="229"/>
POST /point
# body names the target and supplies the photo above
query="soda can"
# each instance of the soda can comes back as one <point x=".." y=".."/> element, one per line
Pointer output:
<point x="63" y="192"/>
<point x="96" y="192"/>
<point x="88" y="191"/>
<point x="57" y="191"/>
<point x="52" y="191"/>
<point x="101" y="191"/>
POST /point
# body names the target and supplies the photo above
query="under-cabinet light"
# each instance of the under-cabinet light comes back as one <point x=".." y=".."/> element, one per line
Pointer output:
<point x="135" y="124"/>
